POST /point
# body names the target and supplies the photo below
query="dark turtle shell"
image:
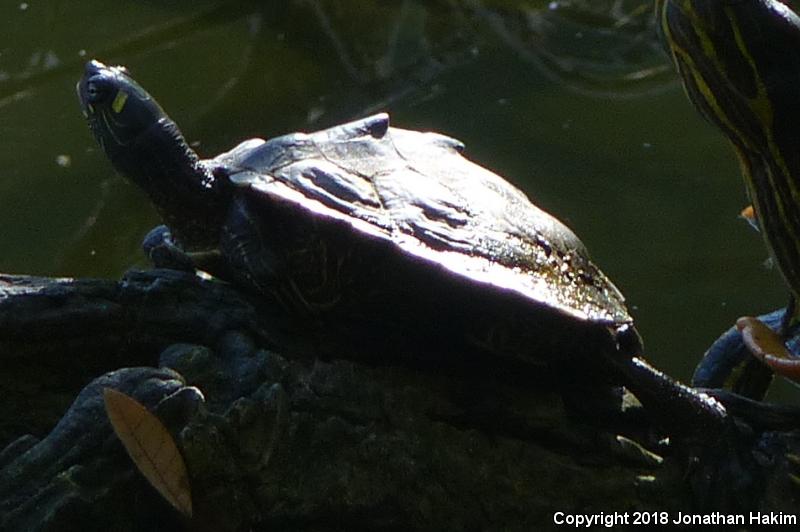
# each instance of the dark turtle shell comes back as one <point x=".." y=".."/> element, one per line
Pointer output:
<point x="416" y="191"/>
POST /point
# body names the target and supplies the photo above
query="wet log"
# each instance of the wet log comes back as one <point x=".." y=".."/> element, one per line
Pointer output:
<point x="280" y="431"/>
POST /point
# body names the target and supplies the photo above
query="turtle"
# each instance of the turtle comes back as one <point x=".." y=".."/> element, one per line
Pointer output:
<point x="740" y="68"/>
<point x="368" y="226"/>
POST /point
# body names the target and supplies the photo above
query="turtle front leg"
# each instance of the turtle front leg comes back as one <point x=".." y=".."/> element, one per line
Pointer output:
<point x="162" y="251"/>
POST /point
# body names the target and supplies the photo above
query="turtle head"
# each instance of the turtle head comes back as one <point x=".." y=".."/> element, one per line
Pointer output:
<point x="146" y="146"/>
<point x="119" y="111"/>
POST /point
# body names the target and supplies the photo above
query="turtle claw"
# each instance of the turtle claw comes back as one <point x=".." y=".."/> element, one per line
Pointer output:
<point x="768" y="346"/>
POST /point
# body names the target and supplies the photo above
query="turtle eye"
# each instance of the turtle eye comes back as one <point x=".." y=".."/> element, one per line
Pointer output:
<point x="92" y="92"/>
<point x="96" y="91"/>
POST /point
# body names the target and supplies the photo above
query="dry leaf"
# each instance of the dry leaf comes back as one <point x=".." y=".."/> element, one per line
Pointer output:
<point x="766" y="345"/>
<point x="151" y="447"/>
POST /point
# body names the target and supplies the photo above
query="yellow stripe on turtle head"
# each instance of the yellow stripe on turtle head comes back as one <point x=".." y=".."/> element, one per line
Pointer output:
<point x="119" y="101"/>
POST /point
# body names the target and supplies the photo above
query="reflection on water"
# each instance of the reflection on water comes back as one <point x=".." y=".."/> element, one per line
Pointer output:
<point x="605" y="48"/>
<point x="573" y="101"/>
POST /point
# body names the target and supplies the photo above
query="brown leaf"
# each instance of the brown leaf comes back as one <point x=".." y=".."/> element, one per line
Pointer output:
<point x="767" y="345"/>
<point x="151" y="447"/>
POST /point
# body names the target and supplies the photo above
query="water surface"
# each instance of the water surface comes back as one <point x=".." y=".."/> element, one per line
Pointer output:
<point x="574" y="104"/>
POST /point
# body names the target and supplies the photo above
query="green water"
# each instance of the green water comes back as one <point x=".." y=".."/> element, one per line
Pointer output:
<point x="577" y="108"/>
